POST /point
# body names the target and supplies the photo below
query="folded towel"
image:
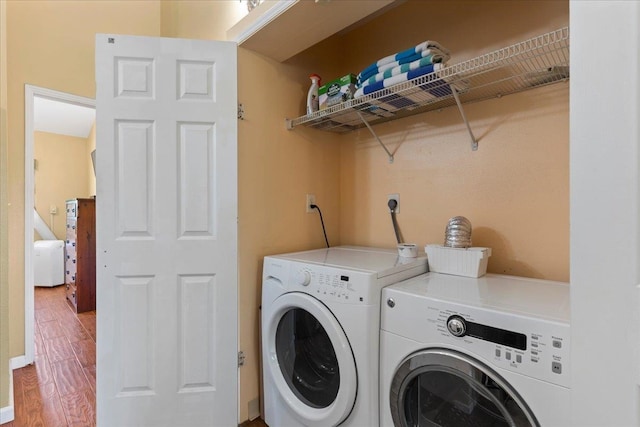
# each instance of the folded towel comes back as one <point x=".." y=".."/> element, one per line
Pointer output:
<point x="429" y="56"/>
<point x="423" y="62"/>
<point x="412" y="51"/>
<point x="402" y="99"/>
<point x="412" y="99"/>
<point x="408" y="55"/>
<point x="399" y="78"/>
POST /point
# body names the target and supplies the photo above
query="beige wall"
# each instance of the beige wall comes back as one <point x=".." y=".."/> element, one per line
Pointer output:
<point x="4" y="282"/>
<point x="62" y="174"/>
<point x="277" y="168"/>
<point x="195" y="19"/>
<point x="51" y="44"/>
<point x="514" y="189"/>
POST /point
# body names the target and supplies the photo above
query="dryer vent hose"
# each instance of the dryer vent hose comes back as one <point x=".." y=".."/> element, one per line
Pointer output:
<point x="393" y="204"/>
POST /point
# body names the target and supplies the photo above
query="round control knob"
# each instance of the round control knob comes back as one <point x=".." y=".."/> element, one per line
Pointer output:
<point x="457" y="326"/>
<point x="303" y="278"/>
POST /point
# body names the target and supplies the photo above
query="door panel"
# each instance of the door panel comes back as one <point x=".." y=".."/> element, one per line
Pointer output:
<point x="166" y="167"/>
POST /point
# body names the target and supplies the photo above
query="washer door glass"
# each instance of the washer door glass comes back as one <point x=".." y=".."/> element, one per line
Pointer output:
<point x="307" y="359"/>
<point x="446" y="388"/>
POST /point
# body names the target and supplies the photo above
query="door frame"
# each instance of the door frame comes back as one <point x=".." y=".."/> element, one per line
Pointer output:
<point x="30" y="92"/>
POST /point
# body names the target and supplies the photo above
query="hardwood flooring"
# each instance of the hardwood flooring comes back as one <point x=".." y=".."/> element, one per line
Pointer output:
<point x="258" y="422"/>
<point x="59" y="389"/>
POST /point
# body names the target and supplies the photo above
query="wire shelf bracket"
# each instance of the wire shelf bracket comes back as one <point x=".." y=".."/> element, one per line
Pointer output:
<point x="474" y="141"/>
<point x="390" y="154"/>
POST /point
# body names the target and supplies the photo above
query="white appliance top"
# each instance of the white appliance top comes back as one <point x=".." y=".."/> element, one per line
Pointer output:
<point x="48" y="243"/>
<point x="378" y="261"/>
<point x="532" y="297"/>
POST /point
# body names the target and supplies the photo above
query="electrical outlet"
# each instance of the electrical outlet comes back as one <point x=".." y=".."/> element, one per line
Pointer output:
<point x="395" y="197"/>
<point x="53" y="209"/>
<point x="310" y="200"/>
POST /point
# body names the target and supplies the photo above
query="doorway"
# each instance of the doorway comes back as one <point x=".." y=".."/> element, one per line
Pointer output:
<point x="37" y="99"/>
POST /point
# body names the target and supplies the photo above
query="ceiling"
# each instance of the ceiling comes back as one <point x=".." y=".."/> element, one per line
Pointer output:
<point x="62" y="117"/>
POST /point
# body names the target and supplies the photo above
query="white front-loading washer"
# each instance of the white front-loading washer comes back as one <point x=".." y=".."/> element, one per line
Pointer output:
<point x="320" y="334"/>
<point x="491" y="351"/>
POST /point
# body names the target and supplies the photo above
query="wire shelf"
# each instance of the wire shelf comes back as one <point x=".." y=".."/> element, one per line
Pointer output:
<point x="536" y="62"/>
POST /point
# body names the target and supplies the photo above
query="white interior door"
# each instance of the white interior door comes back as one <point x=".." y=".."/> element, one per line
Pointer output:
<point x="166" y="156"/>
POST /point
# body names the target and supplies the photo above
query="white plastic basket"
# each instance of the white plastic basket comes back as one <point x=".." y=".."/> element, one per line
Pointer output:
<point x="469" y="262"/>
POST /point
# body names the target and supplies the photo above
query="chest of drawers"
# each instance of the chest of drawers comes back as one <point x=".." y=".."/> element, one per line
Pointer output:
<point x="80" y="254"/>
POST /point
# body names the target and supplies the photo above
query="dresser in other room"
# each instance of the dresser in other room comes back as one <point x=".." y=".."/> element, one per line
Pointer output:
<point x="80" y="258"/>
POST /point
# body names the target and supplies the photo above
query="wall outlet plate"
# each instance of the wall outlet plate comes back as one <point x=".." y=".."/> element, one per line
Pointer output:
<point x="310" y="200"/>
<point x="395" y="196"/>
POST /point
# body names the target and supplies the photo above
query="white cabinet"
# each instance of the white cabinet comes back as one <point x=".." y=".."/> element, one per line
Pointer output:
<point x="283" y="28"/>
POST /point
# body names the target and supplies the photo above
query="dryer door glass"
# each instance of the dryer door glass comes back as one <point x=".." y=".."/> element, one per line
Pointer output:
<point x="307" y="359"/>
<point x="445" y="388"/>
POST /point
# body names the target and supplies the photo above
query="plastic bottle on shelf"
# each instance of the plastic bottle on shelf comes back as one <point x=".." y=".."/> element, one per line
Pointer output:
<point x="313" y="104"/>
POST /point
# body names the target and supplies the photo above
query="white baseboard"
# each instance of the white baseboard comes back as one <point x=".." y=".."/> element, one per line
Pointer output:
<point x="18" y="362"/>
<point x="6" y="413"/>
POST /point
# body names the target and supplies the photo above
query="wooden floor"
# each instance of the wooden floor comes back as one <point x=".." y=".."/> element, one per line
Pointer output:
<point x="258" y="422"/>
<point x="59" y="388"/>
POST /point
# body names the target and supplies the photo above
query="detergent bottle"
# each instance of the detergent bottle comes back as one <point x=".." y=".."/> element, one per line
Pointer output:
<point x="312" y="97"/>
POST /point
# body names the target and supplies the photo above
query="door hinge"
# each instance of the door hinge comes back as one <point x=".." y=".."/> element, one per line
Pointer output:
<point x="241" y="358"/>
<point x="240" y="112"/>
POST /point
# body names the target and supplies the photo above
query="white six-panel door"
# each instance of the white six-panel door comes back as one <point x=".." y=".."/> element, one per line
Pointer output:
<point x="166" y="157"/>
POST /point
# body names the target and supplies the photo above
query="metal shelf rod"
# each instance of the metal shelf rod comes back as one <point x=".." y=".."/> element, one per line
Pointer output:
<point x="474" y="142"/>
<point x="375" y="136"/>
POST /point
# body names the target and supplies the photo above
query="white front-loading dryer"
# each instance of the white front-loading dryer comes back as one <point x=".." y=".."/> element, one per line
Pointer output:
<point x="491" y="351"/>
<point x="320" y="334"/>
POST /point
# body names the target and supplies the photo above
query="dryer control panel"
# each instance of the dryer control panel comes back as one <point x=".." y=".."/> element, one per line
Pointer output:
<point x="536" y="347"/>
<point x="530" y="346"/>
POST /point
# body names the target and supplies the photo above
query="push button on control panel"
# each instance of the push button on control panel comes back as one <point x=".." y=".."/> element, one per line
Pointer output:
<point x="557" y="343"/>
<point x="556" y="367"/>
<point x="456" y="326"/>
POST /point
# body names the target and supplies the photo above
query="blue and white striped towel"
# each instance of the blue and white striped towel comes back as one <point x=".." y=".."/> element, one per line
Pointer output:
<point x="424" y="62"/>
<point x="399" y="78"/>
<point x="441" y="54"/>
<point x="429" y="56"/>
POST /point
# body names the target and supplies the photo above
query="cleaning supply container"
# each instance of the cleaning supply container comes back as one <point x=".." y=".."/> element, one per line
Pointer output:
<point x="313" y="103"/>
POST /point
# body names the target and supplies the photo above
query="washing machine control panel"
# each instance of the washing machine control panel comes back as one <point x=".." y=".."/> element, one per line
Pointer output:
<point x="302" y="278"/>
<point x="331" y="284"/>
<point x="531" y="346"/>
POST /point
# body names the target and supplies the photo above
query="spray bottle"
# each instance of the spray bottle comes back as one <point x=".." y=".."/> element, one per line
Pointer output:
<point x="312" y="97"/>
